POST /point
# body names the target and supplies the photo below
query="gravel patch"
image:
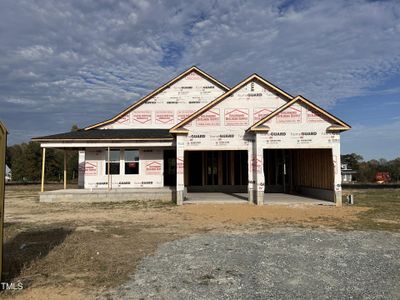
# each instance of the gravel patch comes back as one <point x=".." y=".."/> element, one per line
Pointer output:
<point x="281" y="264"/>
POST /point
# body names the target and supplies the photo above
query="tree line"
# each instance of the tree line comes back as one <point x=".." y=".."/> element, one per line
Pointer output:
<point x="366" y="170"/>
<point x="25" y="162"/>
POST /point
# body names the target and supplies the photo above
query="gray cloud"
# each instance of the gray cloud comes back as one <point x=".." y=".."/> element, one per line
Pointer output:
<point x="63" y="62"/>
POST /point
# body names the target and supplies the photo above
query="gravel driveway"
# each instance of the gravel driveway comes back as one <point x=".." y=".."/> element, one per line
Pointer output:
<point x="281" y="264"/>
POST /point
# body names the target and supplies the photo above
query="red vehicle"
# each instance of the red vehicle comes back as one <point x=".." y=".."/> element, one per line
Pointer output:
<point x="382" y="177"/>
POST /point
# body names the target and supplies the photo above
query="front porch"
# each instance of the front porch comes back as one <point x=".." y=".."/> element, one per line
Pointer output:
<point x="166" y="194"/>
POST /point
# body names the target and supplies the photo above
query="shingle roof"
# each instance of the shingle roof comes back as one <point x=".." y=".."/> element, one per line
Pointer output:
<point x="108" y="134"/>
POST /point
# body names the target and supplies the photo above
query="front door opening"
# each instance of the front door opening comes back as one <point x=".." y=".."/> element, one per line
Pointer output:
<point x="169" y="168"/>
<point x="216" y="171"/>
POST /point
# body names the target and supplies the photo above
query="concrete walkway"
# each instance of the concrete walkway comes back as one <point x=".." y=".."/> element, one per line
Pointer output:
<point x="269" y="199"/>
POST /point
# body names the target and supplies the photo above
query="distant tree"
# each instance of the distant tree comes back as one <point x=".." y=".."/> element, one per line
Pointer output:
<point x="353" y="160"/>
<point x="25" y="161"/>
<point x="74" y="127"/>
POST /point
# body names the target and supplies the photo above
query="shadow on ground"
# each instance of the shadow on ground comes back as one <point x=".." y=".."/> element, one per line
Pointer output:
<point x="29" y="246"/>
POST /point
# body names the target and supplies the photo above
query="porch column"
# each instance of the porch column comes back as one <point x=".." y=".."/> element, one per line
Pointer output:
<point x="180" y="169"/>
<point x="81" y="172"/>
<point x="337" y="181"/>
<point x="108" y="169"/>
<point x="251" y="183"/>
<point x="65" y="169"/>
<point x="258" y="168"/>
<point x="43" y="168"/>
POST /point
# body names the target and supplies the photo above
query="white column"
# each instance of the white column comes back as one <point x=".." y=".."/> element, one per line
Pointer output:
<point x="337" y="182"/>
<point x="180" y="169"/>
<point x="43" y="169"/>
<point x="251" y="184"/>
<point x="258" y="168"/>
<point x="65" y="169"/>
<point x="81" y="169"/>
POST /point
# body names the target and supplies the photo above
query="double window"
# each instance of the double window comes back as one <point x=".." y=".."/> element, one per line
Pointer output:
<point x="130" y="161"/>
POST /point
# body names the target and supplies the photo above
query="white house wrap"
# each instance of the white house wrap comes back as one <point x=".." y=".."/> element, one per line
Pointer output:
<point x="196" y="134"/>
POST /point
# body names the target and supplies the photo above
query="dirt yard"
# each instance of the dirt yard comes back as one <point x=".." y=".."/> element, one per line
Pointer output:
<point x="79" y="251"/>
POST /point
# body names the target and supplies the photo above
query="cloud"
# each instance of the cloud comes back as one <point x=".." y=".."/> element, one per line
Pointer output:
<point x="63" y="62"/>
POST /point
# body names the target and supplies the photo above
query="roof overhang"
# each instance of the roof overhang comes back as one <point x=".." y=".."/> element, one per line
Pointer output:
<point x="338" y="126"/>
<point x="108" y="135"/>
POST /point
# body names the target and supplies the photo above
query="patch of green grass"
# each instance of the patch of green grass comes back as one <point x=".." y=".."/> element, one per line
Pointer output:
<point x="384" y="212"/>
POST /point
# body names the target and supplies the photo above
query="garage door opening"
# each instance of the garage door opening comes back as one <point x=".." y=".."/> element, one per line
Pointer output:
<point x="216" y="171"/>
<point x="308" y="172"/>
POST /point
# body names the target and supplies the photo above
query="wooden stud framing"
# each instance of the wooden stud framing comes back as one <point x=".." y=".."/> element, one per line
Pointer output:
<point x="220" y="173"/>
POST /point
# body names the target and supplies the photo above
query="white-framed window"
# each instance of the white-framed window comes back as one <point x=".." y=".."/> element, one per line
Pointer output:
<point x="131" y="158"/>
<point x="115" y="161"/>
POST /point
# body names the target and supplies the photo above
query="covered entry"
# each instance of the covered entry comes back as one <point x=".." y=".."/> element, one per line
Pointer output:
<point x="216" y="171"/>
<point x="307" y="172"/>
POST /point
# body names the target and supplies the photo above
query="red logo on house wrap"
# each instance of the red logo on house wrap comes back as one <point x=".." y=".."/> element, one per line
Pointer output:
<point x="237" y="116"/>
<point x="260" y="113"/>
<point x="256" y="164"/>
<point x="193" y="76"/>
<point x="209" y="118"/>
<point x="123" y="120"/>
<point x="179" y="165"/>
<point x="141" y="117"/>
<point x="90" y="168"/>
<point x="153" y="168"/>
<point x="289" y="115"/>
<point x="164" y="117"/>
<point x="314" y="117"/>
<point x="183" y="114"/>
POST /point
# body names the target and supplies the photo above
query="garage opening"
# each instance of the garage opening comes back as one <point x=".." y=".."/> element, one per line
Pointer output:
<point x="216" y="171"/>
<point x="308" y="172"/>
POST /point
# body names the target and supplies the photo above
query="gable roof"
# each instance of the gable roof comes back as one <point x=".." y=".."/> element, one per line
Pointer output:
<point x="159" y="90"/>
<point x="255" y="76"/>
<point x="340" y="125"/>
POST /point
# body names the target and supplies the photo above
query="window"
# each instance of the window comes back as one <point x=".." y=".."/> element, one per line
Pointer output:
<point x="114" y="162"/>
<point x="131" y="161"/>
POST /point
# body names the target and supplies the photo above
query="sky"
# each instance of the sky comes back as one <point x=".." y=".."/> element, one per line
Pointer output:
<point x="66" y="62"/>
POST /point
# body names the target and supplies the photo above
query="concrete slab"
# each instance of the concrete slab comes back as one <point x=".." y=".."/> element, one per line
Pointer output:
<point x="269" y="199"/>
<point x="193" y="198"/>
<point x="288" y="199"/>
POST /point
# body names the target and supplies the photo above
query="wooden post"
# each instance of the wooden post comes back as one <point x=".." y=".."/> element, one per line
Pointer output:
<point x="3" y="148"/>
<point x="43" y="168"/>
<point x="108" y="168"/>
<point x="65" y="169"/>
